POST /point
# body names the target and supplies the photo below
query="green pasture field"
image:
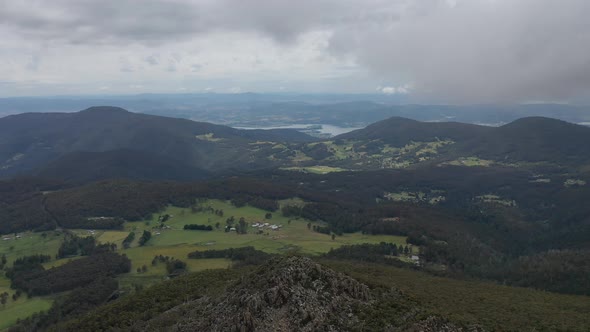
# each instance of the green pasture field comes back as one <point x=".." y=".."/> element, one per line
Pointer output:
<point x="315" y="169"/>
<point x="21" y="309"/>
<point x="294" y="234"/>
<point x="30" y="243"/>
<point x="27" y="243"/>
<point x="174" y="241"/>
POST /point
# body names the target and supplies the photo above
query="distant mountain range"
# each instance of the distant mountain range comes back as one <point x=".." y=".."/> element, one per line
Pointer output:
<point x="271" y="110"/>
<point x="109" y="142"/>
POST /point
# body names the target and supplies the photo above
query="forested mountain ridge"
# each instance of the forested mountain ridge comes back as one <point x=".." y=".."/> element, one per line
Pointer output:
<point x="83" y="167"/>
<point x="531" y="139"/>
<point x="91" y="144"/>
<point x="534" y="139"/>
<point x="401" y="131"/>
<point x="30" y="140"/>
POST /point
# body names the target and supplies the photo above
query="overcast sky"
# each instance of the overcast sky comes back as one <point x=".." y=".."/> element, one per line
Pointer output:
<point x="452" y="51"/>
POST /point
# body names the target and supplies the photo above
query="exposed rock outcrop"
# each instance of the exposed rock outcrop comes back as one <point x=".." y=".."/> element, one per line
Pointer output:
<point x="298" y="294"/>
<point x="286" y="294"/>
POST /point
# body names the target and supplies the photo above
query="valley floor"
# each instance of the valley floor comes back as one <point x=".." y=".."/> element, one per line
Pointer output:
<point x="173" y="241"/>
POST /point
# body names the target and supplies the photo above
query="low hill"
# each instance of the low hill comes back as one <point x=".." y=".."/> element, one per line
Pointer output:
<point x="534" y="139"/>
<point x="30" y="140"/>
<point x="401" y="131"/>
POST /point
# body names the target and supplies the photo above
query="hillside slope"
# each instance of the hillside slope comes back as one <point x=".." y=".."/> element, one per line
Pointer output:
<point x="532" y="139"/>
<point x="401" y="131"/>
<point x="29" y="140"/>
<point x="82" y="167"/>
<point x="181" y="149"/>
<point x="298" y="294"/>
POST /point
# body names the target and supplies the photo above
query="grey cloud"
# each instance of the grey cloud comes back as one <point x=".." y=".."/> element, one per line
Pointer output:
<point x="34" y="62"/>
<point x="476" y="51"/>
<point x="100" y="22"/>
<point x="481" y="50"/>
<point x="125" y="65"/>
<point x="152" y="60"/>
<point x="158" y="21"/>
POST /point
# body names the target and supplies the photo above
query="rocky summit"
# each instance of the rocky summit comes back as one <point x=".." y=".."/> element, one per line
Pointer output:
<point x="289" y="294"/>
<point x="292" y="294"/>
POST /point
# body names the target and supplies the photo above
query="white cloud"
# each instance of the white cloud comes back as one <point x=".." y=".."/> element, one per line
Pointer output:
<point x="392" y="90"/>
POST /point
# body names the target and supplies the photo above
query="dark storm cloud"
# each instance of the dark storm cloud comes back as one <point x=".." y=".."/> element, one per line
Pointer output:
<point x="482" y="51"/>
<point x="449" y="50"/>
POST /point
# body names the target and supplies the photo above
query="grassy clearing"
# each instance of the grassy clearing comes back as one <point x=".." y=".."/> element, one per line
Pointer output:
<point x="471" y="162"/>
<point x="23" y="307"/>
<point x="541" y="180"/>
<point x="30" y="244"/>
<point x="156" y="273"/>
<point x="296" y="201"/>
<point x="143" y="256"/>
<point x="104" y="236"/>
<point x="433" y="197"/>
<point x="415" y="151"/>
<point x="20" y="309"/>
<point x="405" y="196"/>
<point x="292" y="235"/>
<point x="177" y="242"/>
<point x="494" y="199"/>
<point x="432" y="147"/>
<point x="342" y="151"/>
<point x="208" y="137"/>
<point x="574" y="182"/>
<point x="59" y="262"/>
<point x="300" y="157"/>
<point x="315" y="169"/>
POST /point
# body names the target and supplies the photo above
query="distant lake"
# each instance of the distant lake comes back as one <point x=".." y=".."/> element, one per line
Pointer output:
<point x="317" y="129"/>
